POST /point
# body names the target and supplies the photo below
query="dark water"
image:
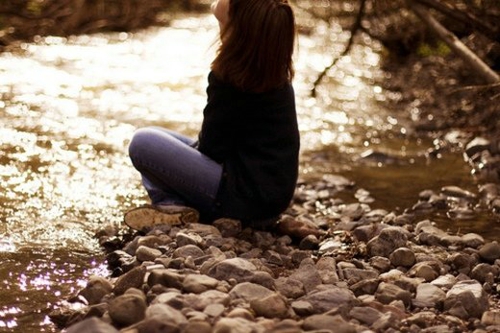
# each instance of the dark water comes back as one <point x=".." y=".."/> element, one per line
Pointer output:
<point x="68" y="108"/>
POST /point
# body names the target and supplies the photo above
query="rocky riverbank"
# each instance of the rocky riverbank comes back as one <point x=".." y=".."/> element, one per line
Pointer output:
<point x="363" y="270"/>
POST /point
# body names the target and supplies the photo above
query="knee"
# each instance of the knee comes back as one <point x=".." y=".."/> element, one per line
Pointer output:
<point x="140" y="141"/>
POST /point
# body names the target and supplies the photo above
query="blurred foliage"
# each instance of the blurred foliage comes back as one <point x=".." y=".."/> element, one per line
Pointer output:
<point x="438" y="49"/>
<point x="24" y="19"/>
<point x="430" y="77"/>
<point x="402" y="33"/>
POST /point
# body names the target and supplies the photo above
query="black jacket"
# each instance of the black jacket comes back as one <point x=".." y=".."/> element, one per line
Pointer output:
<point x="255" y="137"/>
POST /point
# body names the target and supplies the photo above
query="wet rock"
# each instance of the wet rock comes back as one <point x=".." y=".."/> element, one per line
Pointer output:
<point x="385" y="322"/>
<point x="421" y="319"/>
<point x="166" y="277"/>
<point x="189" y="238"/>
<point x="490" y="252"/>
<point x="428" y="234"/>
<point x="97" y="310"/>
<point x="326" y="322"/>
<point x="337" y="181"/>
<point x="445" y="281"/>
<point x="298" y="228"/>
<point x="381" y="264"/>
<point x="468" y="299"/>
<point x="189" y="250"/>
<point x="495" y="205"/>
<point x="249" y="291"/>
<point x="132" y="279"/>
<point x="309" y="242"/>
<point x="484" y="273"/>
<point x="170" y="297"/>
<point x="204" y="230"/>
<point x="163" y="314"/>
<point x="214" y="310"/>
<point x="97" y="287"/>
<point x="438" y="201"/>
<point x="302" y="308"/>
<point x="308" y="274"/>
<point x="241" y="313"/>
<point x="425" y="270"/>
<point x="127" y="309"/>
<point x="354" y="211"/>
<point x="153" y="241"/>
<point x="388" y="292"/>
<point x="457" y="192"/>
<point x="402" y="257"/>
<point x="228" y="227"/>
<point x="198" y="283"/>
<point x="236" y="325"/>
<point x="264" y="279"/>
<point x="145" y="253"/>
<point x="461" y="262"/>
<point x="270" y="306"/>
<point x="289" y="287"/>
<point x="408" y="283"/>
<point x="327" y="270"/>
<point x="354" y="275"/>
<point x="325" y="300"/>
<point x="490" y="318"/>
<point x="197" y="327"/>
<point x="429" y="296"/>
<point x="365" y="287"/>
<point x="376" y="157"/>
<point x="366" y="232"/>
<point x="155" y="325"/>
<point x="387" y="241"/>
<point x="365" y="314"/>
<point x="235" y="268"/>
<point x="472" y="240"/>
<point x="201" y="301"/>
<point x="477" y="145"/>
<point x="91" y="325"/>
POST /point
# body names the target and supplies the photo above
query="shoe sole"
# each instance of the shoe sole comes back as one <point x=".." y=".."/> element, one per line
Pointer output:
<point x="143" y="218"/>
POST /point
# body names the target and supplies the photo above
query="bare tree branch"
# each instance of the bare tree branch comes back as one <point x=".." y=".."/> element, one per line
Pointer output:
<point x="354" y="30"/>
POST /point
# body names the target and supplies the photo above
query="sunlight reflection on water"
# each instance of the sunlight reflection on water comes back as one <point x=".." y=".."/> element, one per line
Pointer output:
<point x="68" y="110"/>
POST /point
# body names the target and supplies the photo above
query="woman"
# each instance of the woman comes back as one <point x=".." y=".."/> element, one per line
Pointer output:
<point x="245" y="162"/>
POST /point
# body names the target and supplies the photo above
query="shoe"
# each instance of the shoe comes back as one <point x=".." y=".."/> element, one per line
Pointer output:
<point x="147" y="217"/>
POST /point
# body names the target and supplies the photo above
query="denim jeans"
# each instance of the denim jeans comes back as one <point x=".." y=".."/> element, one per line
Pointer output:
<point x="173" y="172"/>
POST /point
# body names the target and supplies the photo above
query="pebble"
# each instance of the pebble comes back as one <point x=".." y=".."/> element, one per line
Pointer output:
<point x="363" y="271"/>
<point x="127" y="309"/>
<point x="490" y="251"/>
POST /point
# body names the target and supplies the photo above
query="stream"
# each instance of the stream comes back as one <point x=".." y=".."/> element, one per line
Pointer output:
<point x="69" y="107"/>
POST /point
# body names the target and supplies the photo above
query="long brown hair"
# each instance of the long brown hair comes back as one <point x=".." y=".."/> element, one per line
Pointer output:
<point x="257" y="45"/>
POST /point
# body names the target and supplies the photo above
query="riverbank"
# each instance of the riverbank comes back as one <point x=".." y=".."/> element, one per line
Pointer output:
<point x="366" y="271"/>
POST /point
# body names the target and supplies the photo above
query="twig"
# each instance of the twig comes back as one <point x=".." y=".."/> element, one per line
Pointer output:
<point x="494" y="97"/>
<point x="476" y="88"/>
<point x="355" y="28"/>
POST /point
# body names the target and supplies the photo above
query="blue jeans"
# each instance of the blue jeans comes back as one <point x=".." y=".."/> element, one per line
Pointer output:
<point x="173" y="172"/>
